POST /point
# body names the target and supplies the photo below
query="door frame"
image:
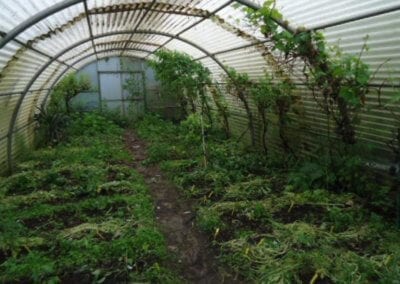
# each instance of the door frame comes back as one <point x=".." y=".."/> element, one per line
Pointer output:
<point x="123" y="100"/>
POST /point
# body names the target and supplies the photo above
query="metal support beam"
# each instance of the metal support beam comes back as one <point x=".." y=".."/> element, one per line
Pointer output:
<point x="235" y="48"/>
<point x="361" y="17"/>
<point x="138" y="24"/>
<point x="229" y="2"/>
<point x="74" y="63"/>
<point x="35" y="19"/>
<point x="17" y="93"/>
<point x="32" y="48"/>
<point x="89" y="26"/>
<point x="45" y="66"/>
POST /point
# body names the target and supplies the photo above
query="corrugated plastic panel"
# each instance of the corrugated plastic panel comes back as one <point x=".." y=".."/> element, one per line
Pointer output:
<point x="23" y="140"/>
<point x="43" y="80"/>
<point x="184" y="47"/>
<point x="117" y="21"/>
<point x="144" y="46"/>
<point x="70" y="56"/>
<point x="217" y="72"/>
<point x="234" y="15"/>
<point x="137" y="54"/>
<point x="7" y="52"/>
<point x="47" y="26"/>
<point x="14" y="12"/>
<point x="213" y="37"/>
<point x="85" y="61"/>
<point x="7" y="105"/>
<point x="62" y="40"/>
<point x="50" y="83"/>
<point x="104" y="3"/>
<point x="311" y="14"/>
<point x="163" y="22"/>
<point x="383" y="41"/>
<point x="247" y="60"/>
<point x="20" y="70"/>
<point x="25" y="114"/>
<point x="152" y="38"/>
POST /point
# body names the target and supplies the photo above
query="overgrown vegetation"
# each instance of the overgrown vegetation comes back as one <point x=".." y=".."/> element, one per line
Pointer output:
<point x="339" y="82"/>
<point x="78" y="212"/>
<point x="276" y="224"/>
<point x="185" y="78"/>
<point x="53" y="119"/>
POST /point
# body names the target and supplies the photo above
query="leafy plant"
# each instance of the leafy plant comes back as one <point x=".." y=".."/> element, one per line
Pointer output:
<point x="238" y="85"/>
<point x="68" y="88"/>
<point x="51" y="125"/>
<point x="77" y="212"/>
<point x="222" y="107"/>
<point x="341" y="79"/>
<point x="269" y="95"/>
<point x="183" y="77"/>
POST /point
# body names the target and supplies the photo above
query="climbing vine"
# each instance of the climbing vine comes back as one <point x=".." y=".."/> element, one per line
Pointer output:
<point x="339" y="82"/>
<point x="238" y="85"/>
<point x="222" y="107"/>
<point x="269" y="95"/>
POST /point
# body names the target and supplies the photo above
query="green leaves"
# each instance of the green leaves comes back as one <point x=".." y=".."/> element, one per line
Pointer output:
<point x="181" y="77"/>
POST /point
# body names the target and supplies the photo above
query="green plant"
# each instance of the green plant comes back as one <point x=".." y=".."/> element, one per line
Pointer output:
<point x="183" y="77"/>
<point x="268" y="95"/>
<point x="342" y="80"/>
<point x="77" y="212"/>
<point x="68" y="88"/>
<point x="238" y="85"/>
<point x="222" y="107"/>
<point x="51" y="125"/>
<point x="308" y="223"/>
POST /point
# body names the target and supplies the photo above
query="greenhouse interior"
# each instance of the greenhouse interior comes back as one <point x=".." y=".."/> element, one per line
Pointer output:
<point x="199" y="141"/>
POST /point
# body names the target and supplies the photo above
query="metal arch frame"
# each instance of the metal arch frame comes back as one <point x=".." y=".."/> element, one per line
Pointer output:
<point x="37" y="18"/>
<point x="146" y="43"/>
<point x="89" y="25"/>
<point x="139" y="23"/>
<point x="72" y="46"/>
<point x="227" y="3"/>
<point x="81" y="59"/>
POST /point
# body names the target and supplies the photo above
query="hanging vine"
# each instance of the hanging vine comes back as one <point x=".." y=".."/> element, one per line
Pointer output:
<point x="341" y="80"/>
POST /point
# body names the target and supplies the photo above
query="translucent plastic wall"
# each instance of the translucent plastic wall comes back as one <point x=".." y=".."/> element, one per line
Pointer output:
<point x="42" y="40"/>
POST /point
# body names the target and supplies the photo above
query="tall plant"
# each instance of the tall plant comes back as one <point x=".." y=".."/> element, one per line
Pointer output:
<point x="183" y="77"/>
<point x="222" y="107"/>
<point x="269" y="95"/>
<point x="238" y="85"/>
<point x="341" y="79"/>
<point x="68" y="88"/>
<point x="53" y="119"/>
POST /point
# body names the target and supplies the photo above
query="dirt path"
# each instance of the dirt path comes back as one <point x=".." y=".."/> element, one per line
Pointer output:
<point x="175" y="216"/>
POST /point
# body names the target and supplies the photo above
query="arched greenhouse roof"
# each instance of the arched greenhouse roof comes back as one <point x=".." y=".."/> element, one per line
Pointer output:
<point x="43" y="40"/>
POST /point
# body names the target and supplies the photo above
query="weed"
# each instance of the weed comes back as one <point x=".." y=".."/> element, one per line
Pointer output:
<point x="77" y="212"/>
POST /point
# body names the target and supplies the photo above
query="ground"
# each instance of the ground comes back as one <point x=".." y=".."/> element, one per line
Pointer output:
<point x="175" y="216"/>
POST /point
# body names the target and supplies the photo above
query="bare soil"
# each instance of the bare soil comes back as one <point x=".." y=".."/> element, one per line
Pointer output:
<point x="195" y="259"/>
